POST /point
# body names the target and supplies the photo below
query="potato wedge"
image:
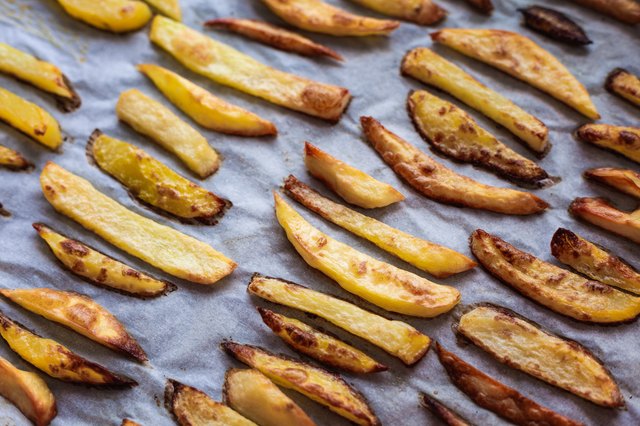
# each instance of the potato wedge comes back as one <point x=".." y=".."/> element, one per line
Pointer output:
<point x="554" y="24"/>
<point x="4" y="212"/>
<point x="493" y="395"/>
<point x="441" y="184"/>
<point x="207" y="110"/>
<point x="13" y="160"/>
<point x="79" y="313"/>
<point x="40" y="74"/>
<point x="521" y="344"/>
<point x="380" y="283"/>
<point x="227" y="66"/>
<point x="602" y="214"/>
<point x="627" y="11"/>
<point x="169" y="8"/>
<point x="313" y="382"/>
<point x="442" y="412"/>
<point x="117" y="16"/>
<point x="423" y="12"/>
<point x="127" y="422"/>
<point x="622" y="140"/>
<point x="320" y="346"/>
<point x="253" y="395"/>
<point x="624" y="180"/>
<point x="163" y="247"/>
<point x="430" y="68"/>
<point x="484" y="6"/>
<point x="395" y="337"/>
<point x="320" y="17"/>
<point x="29" y="119"/>
<point x="523" y="59"/>
<point x="624" y="84"/>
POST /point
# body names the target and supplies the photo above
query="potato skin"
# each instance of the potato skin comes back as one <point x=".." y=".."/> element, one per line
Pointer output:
<point x="600" y="212"/>
<point x="484" y="6"/>
<point x="555" y="25"/>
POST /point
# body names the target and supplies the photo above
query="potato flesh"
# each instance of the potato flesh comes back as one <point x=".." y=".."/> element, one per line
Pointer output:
<point x="13" y="159"/>
<point x="163" y="247"/>
<point x="627" y="181"/>
<point x="170" y="8"/>
<point x="424" y="12"/>
<point x="623" y="140"/>
<point x="600" y="213"/>
<point x="227" y="66"/>
<point x="117" y="16"/>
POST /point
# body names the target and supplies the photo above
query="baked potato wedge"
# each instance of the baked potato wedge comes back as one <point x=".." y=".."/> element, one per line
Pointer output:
<point x="622" y="140"/>
<point x="227" y="66"/>
<point x="353" y="185"/>
<point x="624" y="84"/>
<point x="13" y="160"/>
<point x="127" y="422"/>
<point x="422" y="12"/>
<point x="523" y="59"/>
<point x="169" y="8"/>
<point x="394" y="337"/>
<point x="253" y="395"/>
<point x="117" y="16"/>
<point x="624" y="180"/>
<point x="599" y="212"/>
<point x="627" y="11"/>
<point x="163" y="247"/>
<point x="79" y="313"/>
<point x="446" y="415"/>
<point x="313" y="382"/>
<point x="320" y="17"/>
<point x="484" y="6"/>
<point x="442" y="184"/>
<point x="554" y="24"/>
<point x="29" y="119"/>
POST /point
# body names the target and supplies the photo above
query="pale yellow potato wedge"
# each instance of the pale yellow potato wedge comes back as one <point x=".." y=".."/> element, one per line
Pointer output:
<point x="163" y="247"/>
<point x="79" y="313"/>
<point x="602" y="214"/>
<point x="523" y="59"/>
<point x="13" y="160"/>
<point x="435" y="259"/>
<point x="627" y="11"/>
<point x="624" y="84"/>
<point x="204" y="108"/>
<point x="423" y="12"/>
<point x="118" y="16"/>
<point x="380" y="283"/>
<point x="519" y="343"/>
<point x="624" y="180"/>
<point x="442" y="184"/>
<point x="169" y="8"/>
<point x="29" y="119"/>
<point x="313" y="382"/>
<point x="253" y="395"/>
<point x="150" y="118"/>
<point x="623" y="140"/>
<point x="442" y="412"/>
<point x="227" y="66"/>
<point x="320" y="17"/>
<point x="395" y="337"/>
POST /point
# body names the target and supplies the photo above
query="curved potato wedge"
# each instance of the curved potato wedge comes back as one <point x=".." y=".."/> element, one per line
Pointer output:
<point x="423" y="12"/>
<point x="163" y="247"/>
<point x="227" y="66"/>
<point x="624" y="84"/>
<point x="600" y="213"/>
<point x="117" y="16"/>
<point x="624" y="180"/>
<point x="623" y="140"/>
<point x="442" y="412"/>
<point x="79" y="313"/>
<point x="313" y="382"/>
<point x="395" y="337"/>
<point x="320" y="17"/>
<point x="627" y="11"/>
<point x="13" y="160"/>
<point x="442" y="184"/>
<point x="169" y="8"/>
<point x="523" y="59"/>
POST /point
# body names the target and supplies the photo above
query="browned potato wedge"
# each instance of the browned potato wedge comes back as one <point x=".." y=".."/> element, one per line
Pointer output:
<point x="623" y="10"/>
<point x="600" y="213"/>
<point x="118" y="16"/>
<point x="484" y="6"/>
<point x="4" y="212"/>
<point x="423" y="12"/>
<point x="442" y="412"/>
<point x="554" y="24"/>
<point x="493" y="395"/>
<point x="623" y="140"/>
<point x="442" y="184"/>
<point x="170" y="8"/>
<point x="127" y="422"/>
<point x="624" y="180"/>
<point x="623" y="83"/>
<point x="520" y="57"/>
<point x="521" y="344"/>
<point x="79" y="313"/>
<point x="13" y="160"/>
<point x="313" y="382"/>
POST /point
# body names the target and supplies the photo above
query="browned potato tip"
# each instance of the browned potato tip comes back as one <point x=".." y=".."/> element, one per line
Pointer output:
<point x="600" y="213"/>
<point x="4" y="212"/>
<point x="627" y="11"/>
<point x="627" y="181"/>
<point x="484" y="6"/>
<point x="624" y="84"/>
<point x="554" y="24"/>
<point x="441" y="411"/>
<point x="13" y="160"/>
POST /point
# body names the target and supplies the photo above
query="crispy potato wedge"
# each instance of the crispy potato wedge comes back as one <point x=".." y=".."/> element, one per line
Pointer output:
<point x="159" y="123"/>
<point x="253" y="395"/>
<point x="521" y="344"/>
<point x="313" y="382"/>
<point x="169" y="8"/>
<point x="153" y="183"/>
<point x="127" y="422"/>
<point x="353" y="185"/>
<point x="79" y="313"/>
<point x="627" y="11"/>
<point x="623" y="140"/>
<point x="380" y="283"/>
<point x="227" y="66"/>
<point x="117" y="16"/>
<point x="29" y="119"/>
<point x="395" y="337"/>
<point x="441" y="411"/>
<point x="273" y="36"/>
<point x="441" y="183"/>
<point x="423" y="12"/>
<point x="484" y="6"/>
<point x="320" y="346"/>
<point x="602" y="214"/>
<point x="320" y="17"/>
<point x="624" y="84"/>
<point x="13" y="160"/>
<point x="523" y="59"/>
<point x="163" y="247"/>
<point x="554" y="24"/>
<point x="624" y="180"/>
<point x="556" y="288"/>
<point x="493" y="395"/>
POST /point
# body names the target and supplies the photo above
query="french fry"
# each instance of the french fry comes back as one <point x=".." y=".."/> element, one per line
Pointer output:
<point x="13" y="160"/>
<point x="423" y="12"/>
<point x="442" y="412"/>
<point x="555" y="25"/>
<point x="627" y="181"/>
<point x="627" y="11"/>
<point x="602" y="214"/>
<point x="624" y="84"/>
<point x="623" y="140"/>
<point x="169" y="8"/>
<point x="118" y="16"/>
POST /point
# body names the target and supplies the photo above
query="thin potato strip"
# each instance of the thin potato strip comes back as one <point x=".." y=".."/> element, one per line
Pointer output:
<point x="627" y="181"/>
<point x="442" y="412"/>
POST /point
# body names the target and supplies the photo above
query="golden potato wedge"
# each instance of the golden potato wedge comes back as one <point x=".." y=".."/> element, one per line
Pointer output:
<point x="519" y="343"/>
<point x="127" y="422"/>
<point x="29" y="119"/>
<point x="13" y="160"/>
<point x="430" y="68"/>
<point x="153" y="183"/>
<point x="40" y="74"/>
<point x="454" y="133"/>
<point x="493" y="395"/>
<point x="622" y="140"/>
<point x="353" y="185"/>
<point x="395" y="337"/>
<point x="253" y="395"/>
<point x="320" y="17"/>
<point x="442" y="184"/>
<point x="163" y="247"/>
<point x="442" y="412"/>
<point x="117" y="16"/>
<point x="627" y="11"/>
<point x="227" y="66"/>
<point x="28" y="392"/>
<point x="423" y="12"/>
<point x="169" y="8"/>
<point x="380" y="283"/>
<point x="79" y="313"/>
<point x="523" y="59"/>
<point x="320" y="346"/>
<point x="624" y="84"/>
<point x="484" y="6"/>
<point x="624" y="180"/>
<point x="602" y="214"/>
<point x="313" y="382"/>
